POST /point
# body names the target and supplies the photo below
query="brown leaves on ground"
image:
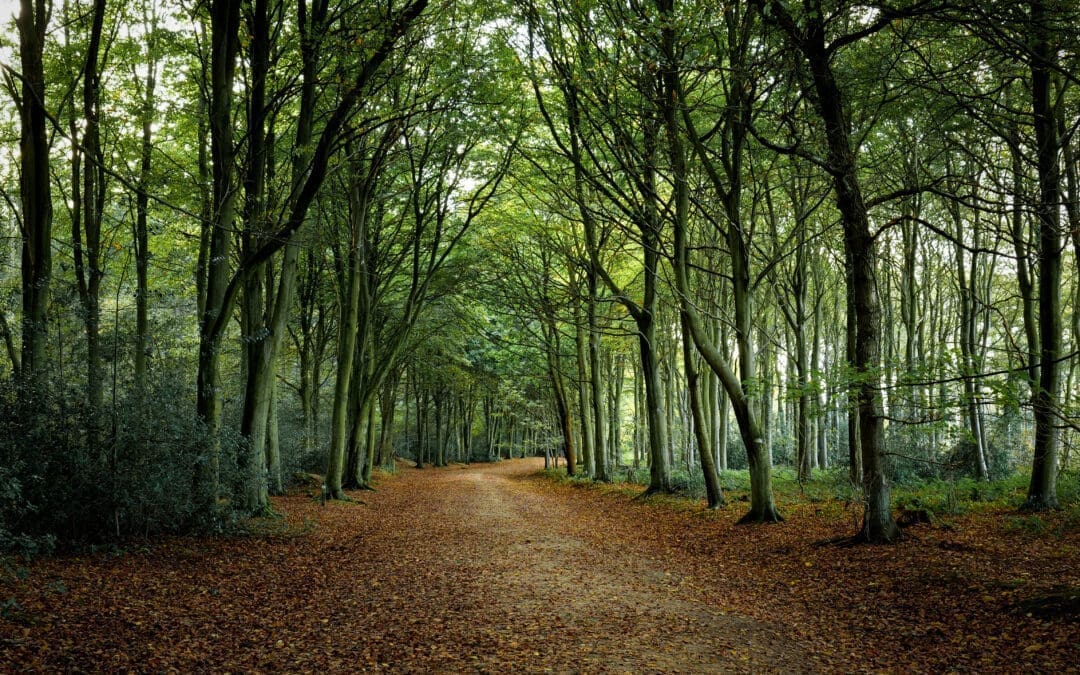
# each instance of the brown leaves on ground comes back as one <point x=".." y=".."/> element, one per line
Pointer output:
<point x="491" y="568"/>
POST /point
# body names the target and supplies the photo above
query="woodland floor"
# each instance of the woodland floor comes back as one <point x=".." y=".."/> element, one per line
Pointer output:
<point x="494" y="568"/>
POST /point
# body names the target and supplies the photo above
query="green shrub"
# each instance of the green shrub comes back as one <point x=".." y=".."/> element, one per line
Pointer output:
<point x="138" y="481"/>
<point x="1031" y="524"/>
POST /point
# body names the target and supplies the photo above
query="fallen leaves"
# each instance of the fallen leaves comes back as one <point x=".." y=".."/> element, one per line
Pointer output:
<point x="491" y="568"/>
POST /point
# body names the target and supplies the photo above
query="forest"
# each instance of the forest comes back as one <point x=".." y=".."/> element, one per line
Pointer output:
<point x="698" y="246"/>
<point x="400" y="318"/>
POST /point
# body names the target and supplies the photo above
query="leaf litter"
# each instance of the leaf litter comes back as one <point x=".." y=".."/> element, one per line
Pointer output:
<point x="496" y="568"/>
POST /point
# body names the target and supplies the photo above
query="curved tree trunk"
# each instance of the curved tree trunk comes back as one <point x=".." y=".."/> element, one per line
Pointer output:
<point x="762" y="505"/>
<point x="714" y="495"/>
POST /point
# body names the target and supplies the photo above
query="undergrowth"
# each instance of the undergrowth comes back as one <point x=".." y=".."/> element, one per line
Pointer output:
<point x="937" y="497"/>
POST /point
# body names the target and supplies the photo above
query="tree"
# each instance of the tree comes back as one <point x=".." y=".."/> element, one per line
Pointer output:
<point x="221" y="289"/>
<point x="88" y="163"/>
<point x="733" y="126"/>
<point x="807" y="34"/>
<point x="34" y="187"/>
<point x="619" y="162"/>
<point x="1042" y="491"/>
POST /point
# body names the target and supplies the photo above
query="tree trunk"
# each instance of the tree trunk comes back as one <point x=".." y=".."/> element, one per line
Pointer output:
<point x="659" y="471"/>
<point x="142" y="203"/>
<point x="584" y="391"/>
<point x="87" y="199"/>
<point x="967" y="283"/>
<point x="615" y="411"/>
<point x="346" y="352"/>
<point x="34" y="190"/>
<point x="639" y="413"/>
<point x="562" y="410"/>
<point x="369" y="445"/>
<point x="820" y="393"/>
<point x="1042" y="491"/>
<point x="421" y="423"/>
<point x="387" y="410"/>
<point x="808" y="35"/>
<point x="855" y="467"/>
<point x="440" y="429"/>
<point x="257" y="344"/>
<point x="714" y="495"/>
<point x="878" y="524"/>
<point x="9" y="345"/>
<point x="225" y="42"/>
<point x="762" y="507"/>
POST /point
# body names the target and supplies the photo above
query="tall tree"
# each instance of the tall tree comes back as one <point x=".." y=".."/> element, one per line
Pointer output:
<point x="34" y="188"/>
<point x="734" y="128"/>
<point x="807" y="33"/>
<point x="225" y="46"/>
<point x="1042" y="491"/>
<point x="141" y="237"/>
<point x="221" y="288"/>
<point x="619" y="161"/>
<point x="87" y="214"/>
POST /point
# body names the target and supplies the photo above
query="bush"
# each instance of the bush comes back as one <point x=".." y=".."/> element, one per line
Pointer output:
<point x="138" y="481"/>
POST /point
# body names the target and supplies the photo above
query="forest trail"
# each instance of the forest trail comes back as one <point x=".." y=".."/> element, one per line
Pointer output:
<point x="494" y="568"/>
<point x="532" y="584"/>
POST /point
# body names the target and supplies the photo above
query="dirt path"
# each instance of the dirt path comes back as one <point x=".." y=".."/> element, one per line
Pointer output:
<point x="475" y="568"/>
<point x="532" y="589"/>
<point x="491" y="568"/>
